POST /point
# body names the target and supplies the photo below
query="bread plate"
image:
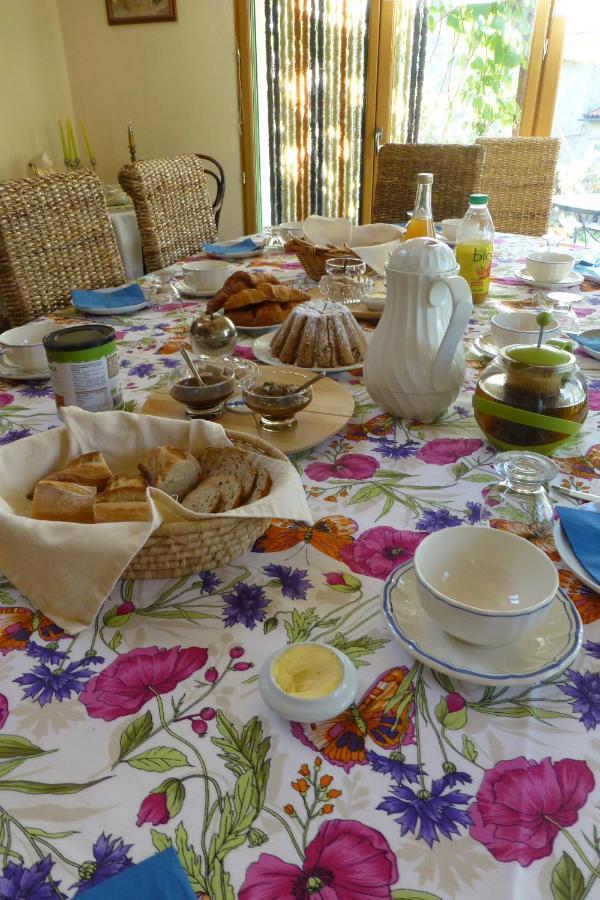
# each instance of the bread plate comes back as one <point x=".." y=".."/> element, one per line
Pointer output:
<point x="256" y="330"/>
<point x="262" y="351"/>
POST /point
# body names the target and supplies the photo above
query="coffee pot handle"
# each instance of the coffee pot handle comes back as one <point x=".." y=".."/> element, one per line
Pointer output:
<point x="462" y="306"/>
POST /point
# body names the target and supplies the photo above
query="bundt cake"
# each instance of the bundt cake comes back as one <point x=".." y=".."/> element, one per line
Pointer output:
<point x="319" y="334"/>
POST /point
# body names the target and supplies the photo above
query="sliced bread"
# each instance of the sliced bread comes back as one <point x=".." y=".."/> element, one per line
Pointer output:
<point x="205" y="497"/>
<point x="229" y="461"/>
<point x="172" y="470"/>
<point x="262" y="485"/>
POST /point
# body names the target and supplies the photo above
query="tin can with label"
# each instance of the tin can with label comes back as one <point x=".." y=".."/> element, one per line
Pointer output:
<point x="84" y="367"/>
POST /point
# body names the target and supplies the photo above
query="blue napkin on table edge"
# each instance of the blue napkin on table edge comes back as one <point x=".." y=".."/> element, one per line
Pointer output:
<point x="592" y="343"/>
<point x="126" y="296"/>
<point x="160" y="877"/>
<point x="245" y="246"/>
<point x="582" y="531"/>
<point x="589" y="270"/>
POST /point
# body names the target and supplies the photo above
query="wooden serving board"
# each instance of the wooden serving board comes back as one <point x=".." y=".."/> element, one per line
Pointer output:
<point x="331" y="408"/>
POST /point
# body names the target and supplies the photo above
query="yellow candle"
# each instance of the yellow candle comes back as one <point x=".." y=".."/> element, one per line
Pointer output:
<point x="72" y="141"/>
<point x="63" y="140"/>
<point x="86" y="141"/>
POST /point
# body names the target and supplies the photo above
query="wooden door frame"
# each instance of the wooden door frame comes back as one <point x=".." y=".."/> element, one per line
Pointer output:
<point x="247" y="112"/>
<point x="543" y="71"/>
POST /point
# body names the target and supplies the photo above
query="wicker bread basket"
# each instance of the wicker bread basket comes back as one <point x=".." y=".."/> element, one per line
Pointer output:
<point x="313" y="258"/>
<point x="183" y="548"/>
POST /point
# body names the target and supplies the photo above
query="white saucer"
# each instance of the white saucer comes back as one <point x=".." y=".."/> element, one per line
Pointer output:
<point x="19" y="375"/>
<point x="570" y="281"/>
<point x="568" y="557"/>
<point x="541" y="653"/>
<point x="113" y="310"/>
<point x="485" y="345"/>
<point x="262" y="351"/>
<point x="186" y="291"/>
<point x="592" y="332"/>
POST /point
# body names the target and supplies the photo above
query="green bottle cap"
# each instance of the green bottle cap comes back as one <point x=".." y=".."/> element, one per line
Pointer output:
<point x="539" y="356"/>
<point x="478" y="199"/>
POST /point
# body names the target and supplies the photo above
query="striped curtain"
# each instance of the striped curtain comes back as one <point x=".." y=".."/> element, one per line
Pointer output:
<point x="316" y="68"/>
<point x="408" y="62"/>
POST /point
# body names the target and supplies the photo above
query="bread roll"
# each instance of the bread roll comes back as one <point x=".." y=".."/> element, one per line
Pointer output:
<point x="88" y="469"/>
<point x="124" y="489"/>
<point x="59" y="501"/>
<point x="174" y="471"/>
<point x="122" y="512"/>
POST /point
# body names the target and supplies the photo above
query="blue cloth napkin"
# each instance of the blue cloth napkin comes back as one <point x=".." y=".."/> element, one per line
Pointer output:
<point x="589" y="343"/>
<point x="127" y="296"/>
<point x="245" y="246"/>
<point x="589" y="270"/>
<point x="582" y="528"/>
<point x="161" y="877"/>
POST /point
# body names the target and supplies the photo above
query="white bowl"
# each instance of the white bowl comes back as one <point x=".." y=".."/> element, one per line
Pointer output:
<point x="206" y="274"/>
<point x="300" y="709"/>
<point x="289" y="230"/>
<point x="22" y="348"/>
<point x="549" y="266"/>
<point x="450" y="228"/>
<point x="483" y="585"/>
<point x="520" y="328"/>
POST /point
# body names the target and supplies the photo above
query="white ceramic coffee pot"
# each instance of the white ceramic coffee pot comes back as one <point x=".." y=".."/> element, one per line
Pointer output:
<point x="414" y="366"/>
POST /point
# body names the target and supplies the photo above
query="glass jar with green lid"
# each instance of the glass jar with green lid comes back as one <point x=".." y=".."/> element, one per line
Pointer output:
<point x="531" y="398"/>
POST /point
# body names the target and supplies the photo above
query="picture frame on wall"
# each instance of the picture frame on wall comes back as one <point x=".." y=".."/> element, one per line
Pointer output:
<point x="131" y="12"/>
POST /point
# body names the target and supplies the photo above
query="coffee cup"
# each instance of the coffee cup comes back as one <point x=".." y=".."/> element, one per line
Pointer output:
<point x="549" y="266"/>
<point x="520" y="328"/>
<point x="21" y="348"/>
<point x="450" y="228"/>
<point x="206" y="274"/>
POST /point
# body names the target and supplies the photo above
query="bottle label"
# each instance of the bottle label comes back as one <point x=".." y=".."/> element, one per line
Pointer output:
<point x="475" y="261"/>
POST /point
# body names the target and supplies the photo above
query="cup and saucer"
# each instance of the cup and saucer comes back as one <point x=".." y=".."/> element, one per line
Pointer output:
<point x="203" y="278"/>
<point x="549" y="269"/>
<point x="513" y="328"/>
<point x="22" y="353"/>
<point x="483" y="606"/>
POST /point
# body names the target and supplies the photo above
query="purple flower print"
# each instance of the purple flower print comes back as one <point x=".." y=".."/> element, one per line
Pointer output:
<point x="45" y="684"/>
<point x="390" y="449"/>
<point x="170" y="363"/>
<point x="142" y="370"/>
<point x="110" y="858"/>
<point x="462" y="412"/>
<point x="137" y="328"/>
<point x="443" y="451"/>
<point x="245" y="605"/>
<point x="594" y="394"/>
<point x="378" y="551"/>
<point x="395" y="766"/>
<point x="584" y="687"/>
<point x="474" y="513"/>
<point x="437" y="520"/>
<point x="346" y="860"/>
<point x="355" y="466"/>
<point x="10" y="437"/>
<point x="34" y="391"/>
<point x="20" y="883"/>
<point x="593" y="648"/>
<point x="294" y="582"/>
<point x="6" y="399"/>
<point x="429" y="811"/>
<point x="3" y="710"/>
<point x="209" y="582"/>
<point x="522" y="804"/>
<point x="49" y="654"/>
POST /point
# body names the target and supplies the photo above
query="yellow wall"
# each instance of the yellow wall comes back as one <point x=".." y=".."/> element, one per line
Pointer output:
<point x="177" y="81"/>
<point x="34" y="85"/>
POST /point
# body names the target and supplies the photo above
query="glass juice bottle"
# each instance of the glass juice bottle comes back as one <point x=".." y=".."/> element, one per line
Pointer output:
<point x="475" y="247"/>
<point x="421" y="224"/>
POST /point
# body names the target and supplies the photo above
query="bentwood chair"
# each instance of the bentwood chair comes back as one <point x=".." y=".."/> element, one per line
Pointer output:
<point x="456" y="170"/>
<point x="55" y="235"/>
<point x="519" y="176"/>
<point x="174" y="212"/>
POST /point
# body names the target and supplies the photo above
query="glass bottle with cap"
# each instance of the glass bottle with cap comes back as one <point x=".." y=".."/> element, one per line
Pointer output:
<point x="421" y="223"/>
<point x="475" y="247"/>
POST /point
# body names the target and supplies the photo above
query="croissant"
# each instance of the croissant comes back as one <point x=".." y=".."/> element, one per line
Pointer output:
<point x="236" y="282"/>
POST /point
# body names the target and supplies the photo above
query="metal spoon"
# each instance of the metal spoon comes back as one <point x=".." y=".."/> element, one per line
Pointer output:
<point x="190" y="364"/>
<point x="308" y="383"/>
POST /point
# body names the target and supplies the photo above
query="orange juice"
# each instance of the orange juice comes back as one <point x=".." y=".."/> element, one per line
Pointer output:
<point x="418" y="227"/>
<point x="475" y="261"/>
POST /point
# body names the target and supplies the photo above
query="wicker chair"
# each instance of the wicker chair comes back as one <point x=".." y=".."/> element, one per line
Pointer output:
<point x="173" y="209"/>
<point x="55" y="235"/>
<point x="519" y="174"/>
<point x="456" y="170"/>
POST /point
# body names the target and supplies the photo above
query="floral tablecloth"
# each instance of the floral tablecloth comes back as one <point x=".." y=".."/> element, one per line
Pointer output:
<point x="147" y="731"/>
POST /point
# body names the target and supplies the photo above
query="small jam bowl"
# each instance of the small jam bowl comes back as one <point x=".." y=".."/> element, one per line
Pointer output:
<point x="549" y="266"/>
<point x="206" y="274"/>
<point x="220" y="384"/>
<point x="520" y="328"/>
<point x="483" y="585"/>
<point x="450" y="228"/>
<point x="277" y="413"/>
<point x="303" y="709"/>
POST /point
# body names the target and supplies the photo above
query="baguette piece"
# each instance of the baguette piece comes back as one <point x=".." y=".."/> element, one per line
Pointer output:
<point x="88" y="469"/>
<point x="124" y="489"/>
<point x="172" y="470"/>
<point x="122" y="511"/>
<point x="229" y="461"/>
<point x="60" y="501"/>
<point x="217" y="493"/>
<point x="262" y="485"/>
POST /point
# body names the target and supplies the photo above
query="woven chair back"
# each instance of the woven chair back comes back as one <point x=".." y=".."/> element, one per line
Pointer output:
<point x="173" y="209"/>
<point x="519" y="176"/>
<point x="55" y="235"/>
<point x="456" y="170"/>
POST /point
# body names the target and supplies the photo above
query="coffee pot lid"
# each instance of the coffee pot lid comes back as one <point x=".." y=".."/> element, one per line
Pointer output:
<point x="423" y="256"/>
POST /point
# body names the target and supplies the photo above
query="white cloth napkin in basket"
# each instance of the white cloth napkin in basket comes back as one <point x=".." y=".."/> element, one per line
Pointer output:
<point x="340" y="233"/>
<point x="67" y="570"/>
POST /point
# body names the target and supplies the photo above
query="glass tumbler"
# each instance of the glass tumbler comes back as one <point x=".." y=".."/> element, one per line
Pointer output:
<point x="345" y="280"/>
<point x="519" y="502"/>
